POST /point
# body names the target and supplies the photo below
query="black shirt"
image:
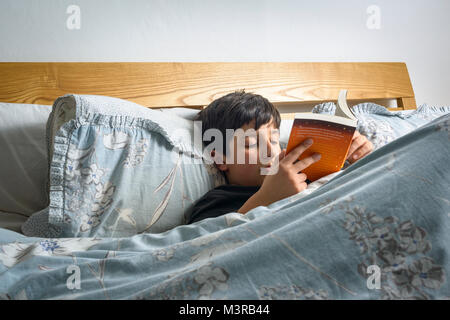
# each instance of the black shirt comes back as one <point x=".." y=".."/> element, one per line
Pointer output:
<point x="221" y="200"/>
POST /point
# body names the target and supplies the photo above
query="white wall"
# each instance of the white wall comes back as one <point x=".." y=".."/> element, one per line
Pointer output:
<point x="413" y="31"/>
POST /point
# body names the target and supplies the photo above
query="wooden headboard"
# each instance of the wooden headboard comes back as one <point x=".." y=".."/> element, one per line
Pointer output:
<point x="195" y="85"/>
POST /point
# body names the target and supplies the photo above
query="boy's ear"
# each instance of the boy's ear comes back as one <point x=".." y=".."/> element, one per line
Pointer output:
<point x="219" y="160"/>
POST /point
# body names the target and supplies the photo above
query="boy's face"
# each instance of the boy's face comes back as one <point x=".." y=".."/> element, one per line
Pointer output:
<point x="248" y="172"/>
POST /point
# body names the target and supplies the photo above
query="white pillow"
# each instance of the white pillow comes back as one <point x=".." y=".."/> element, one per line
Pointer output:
<point x="23" y="157"/>
<point x="12" y="221"/>
<point x="185" y="113"/>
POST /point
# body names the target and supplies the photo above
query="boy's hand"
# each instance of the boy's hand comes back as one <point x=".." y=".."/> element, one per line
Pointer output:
<point x="286" y="182"/>
<point x="359" y="148"/>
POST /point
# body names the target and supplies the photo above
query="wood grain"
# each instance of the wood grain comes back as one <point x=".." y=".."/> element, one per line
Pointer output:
<point x="406" y="103"/>
<point x="196" y="84"/>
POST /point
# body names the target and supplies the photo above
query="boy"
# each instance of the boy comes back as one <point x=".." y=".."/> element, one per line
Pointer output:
<point x="246" y="187"/>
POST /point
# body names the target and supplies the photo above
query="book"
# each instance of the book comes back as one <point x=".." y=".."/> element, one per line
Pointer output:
<point x="332" y="136"/>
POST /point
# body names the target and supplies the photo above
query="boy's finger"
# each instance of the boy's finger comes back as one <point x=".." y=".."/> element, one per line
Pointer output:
<point x="361" y="151"/>
<point x="305" y="163"/>
<point x="297" y="151"/>
<point x="356" y="143"/>
<point x="281" y="155"/>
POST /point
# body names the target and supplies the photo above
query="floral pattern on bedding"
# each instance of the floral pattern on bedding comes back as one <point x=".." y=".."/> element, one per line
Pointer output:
<point x="17" y="252"/>
<point x="399" y="249"/>
<point x="382" y="126"/>
<point x="291" y="292"/>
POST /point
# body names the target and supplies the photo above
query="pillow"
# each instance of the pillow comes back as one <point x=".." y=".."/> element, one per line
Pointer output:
<point x="120" y="169"/>
<point x="12" y="221"/>
<point x="23" y="157"/>
<point x="382" y="126"/>
<point x="185" y="113"/>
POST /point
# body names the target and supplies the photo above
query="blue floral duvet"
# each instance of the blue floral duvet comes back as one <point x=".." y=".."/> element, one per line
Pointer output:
<point x="378" y="230"/>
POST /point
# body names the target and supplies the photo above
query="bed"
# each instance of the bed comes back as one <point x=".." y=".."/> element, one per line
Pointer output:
<point x="99" y="174"/>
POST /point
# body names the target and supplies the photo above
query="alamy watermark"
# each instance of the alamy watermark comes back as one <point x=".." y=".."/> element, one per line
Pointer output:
<point x="74" y="280"/>
<point x="374" y="17"/>
<point x="374" y="280"/>
<point x="73" y="21"/>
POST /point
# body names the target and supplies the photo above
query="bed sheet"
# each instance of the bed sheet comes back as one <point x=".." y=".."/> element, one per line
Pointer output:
<point x="378" y="230"/>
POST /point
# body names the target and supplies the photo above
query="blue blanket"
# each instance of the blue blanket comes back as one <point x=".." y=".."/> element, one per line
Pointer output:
<point x="378" y="230"/>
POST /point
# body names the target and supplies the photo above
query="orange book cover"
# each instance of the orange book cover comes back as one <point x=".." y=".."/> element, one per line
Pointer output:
<point x="332" y="136"/>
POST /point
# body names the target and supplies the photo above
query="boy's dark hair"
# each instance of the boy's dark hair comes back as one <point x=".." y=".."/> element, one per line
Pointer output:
<point x="236" y="109"/>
